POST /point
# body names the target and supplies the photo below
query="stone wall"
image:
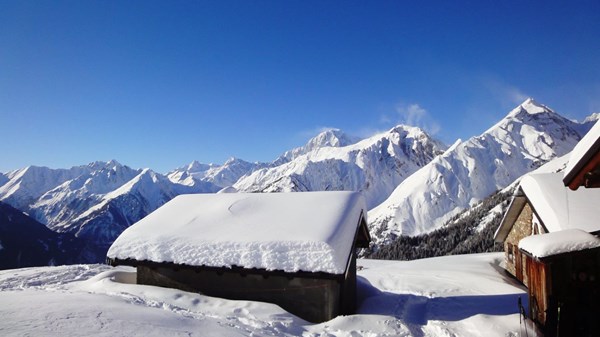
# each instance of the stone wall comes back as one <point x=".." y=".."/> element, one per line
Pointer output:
<point x="521" y="228"/>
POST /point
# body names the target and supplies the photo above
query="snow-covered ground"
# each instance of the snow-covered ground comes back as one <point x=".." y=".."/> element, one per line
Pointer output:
<point x="464" y="295"/>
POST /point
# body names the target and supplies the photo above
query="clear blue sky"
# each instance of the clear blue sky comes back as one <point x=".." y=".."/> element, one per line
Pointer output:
<point x="159" y="84"/>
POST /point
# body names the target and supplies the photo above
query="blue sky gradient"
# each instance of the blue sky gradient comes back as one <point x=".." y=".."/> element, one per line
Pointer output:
<point x="160" y="83"/>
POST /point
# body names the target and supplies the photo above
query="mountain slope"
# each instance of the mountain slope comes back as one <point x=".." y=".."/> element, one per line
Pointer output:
<point x="373" y="166"/>
<point x="25" y="242"/>
<point x="529" y="136"/>
<point x="65" y="202"/>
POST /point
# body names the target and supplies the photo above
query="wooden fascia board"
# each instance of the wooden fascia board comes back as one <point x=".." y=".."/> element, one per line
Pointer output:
<point x="576" y="177"/>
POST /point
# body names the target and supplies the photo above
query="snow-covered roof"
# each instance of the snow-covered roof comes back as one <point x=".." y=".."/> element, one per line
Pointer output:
<point x="558" y="207"/>
<point x="587" y="148"/>
<point x="569" y="240"/>
<point x="308" y="231"/>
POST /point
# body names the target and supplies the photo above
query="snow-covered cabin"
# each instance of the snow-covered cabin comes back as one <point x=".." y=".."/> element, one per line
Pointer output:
<point x="542" y="204"/>
<point x="549" y="235"/>
<point x="583" y="168"/>
<point x="296" y="250"/>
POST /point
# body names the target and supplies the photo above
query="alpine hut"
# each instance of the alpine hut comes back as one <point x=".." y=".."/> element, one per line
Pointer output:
<point x="549" y="235"/>
<point x="296" y="250"/>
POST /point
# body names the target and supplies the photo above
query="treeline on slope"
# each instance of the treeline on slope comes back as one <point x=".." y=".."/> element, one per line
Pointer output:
<point x="458" y="236"/>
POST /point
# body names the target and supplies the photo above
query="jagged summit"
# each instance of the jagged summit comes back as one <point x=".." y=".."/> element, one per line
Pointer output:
<point x="327" y="138"/>
<point x="530" y="107"/>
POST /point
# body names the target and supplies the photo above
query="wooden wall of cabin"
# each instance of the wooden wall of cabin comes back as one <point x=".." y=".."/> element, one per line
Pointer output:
<point x="539" y="287"/>
<point x="313" y="299"/>
<point x="515" y="261"/>
<point x="564" y="293"/>
<point x="576" y="290"/>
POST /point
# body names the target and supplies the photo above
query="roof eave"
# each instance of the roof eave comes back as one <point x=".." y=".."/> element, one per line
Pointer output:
<point x="576" y="176"/>
<point x="232" y="269"/>
<point x="510" y="217"/>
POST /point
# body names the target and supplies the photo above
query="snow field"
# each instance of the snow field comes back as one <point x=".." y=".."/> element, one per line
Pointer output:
<point x="468" y="295"/>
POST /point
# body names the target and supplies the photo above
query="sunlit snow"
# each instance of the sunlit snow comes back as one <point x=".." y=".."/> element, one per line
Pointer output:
<point x="467" y="295"/>
<point x="309" y="231"/>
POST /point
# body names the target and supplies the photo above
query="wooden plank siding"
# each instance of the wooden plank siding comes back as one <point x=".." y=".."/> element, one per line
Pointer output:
<point x="564" y="293"/>
<point x="539" y="286"/>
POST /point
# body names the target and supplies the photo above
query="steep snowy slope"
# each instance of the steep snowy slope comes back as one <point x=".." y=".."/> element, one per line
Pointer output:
<point x="529" y="136"/>
<point x="212" y="176"/>
<point x="374" y="166"/>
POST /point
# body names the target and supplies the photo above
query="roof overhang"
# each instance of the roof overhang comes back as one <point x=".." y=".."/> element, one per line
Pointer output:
<point x="586" y="172"/>
<point x="220" y="270"/>
<point x="510" y="217"/>
<point x="583" y="168"/>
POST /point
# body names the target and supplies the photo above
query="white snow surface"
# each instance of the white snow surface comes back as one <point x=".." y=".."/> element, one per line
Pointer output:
<point x="582" y="148"/>
<point x="467" y="296"/>
<point x="308" y="231"/>
<point x="565" y="241"/>
<point x="529" y="136"/>
<point x="559" y="207"/>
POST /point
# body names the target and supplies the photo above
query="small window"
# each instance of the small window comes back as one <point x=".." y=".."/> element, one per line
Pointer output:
<point x="509" y="252"/>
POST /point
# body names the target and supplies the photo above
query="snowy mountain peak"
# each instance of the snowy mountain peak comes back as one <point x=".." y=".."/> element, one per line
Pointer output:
<point x="332" y="137"/>
<point x="326" y="138"/>
<point x="110" y="165"/>
<point x="408" y="131"/>
<point x="530" y="107"/>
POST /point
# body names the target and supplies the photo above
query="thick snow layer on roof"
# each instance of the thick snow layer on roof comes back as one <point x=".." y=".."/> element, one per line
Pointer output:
<point x="569" y="240"/>
<point x="559" y="207"/>
<point x="308" y="231"/>
<point x="581" y="149"/>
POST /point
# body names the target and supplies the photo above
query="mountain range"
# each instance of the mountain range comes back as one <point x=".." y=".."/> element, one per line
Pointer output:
<point x="413" y="183"/>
